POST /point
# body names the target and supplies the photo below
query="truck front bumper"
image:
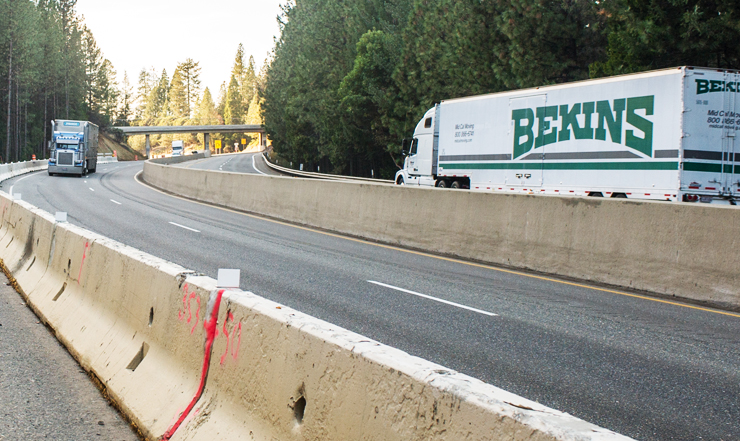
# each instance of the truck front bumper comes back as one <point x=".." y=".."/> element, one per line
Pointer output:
<point x="65" y="169"/>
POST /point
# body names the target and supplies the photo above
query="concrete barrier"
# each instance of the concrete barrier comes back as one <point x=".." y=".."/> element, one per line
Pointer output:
<point x="675" y="249"/>
<point x="267" y="372"/>
<point x="14" y="169"/>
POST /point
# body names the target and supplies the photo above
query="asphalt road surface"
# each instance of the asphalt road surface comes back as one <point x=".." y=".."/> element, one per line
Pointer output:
<point x="252" y="163"/>
<point x="644" y="368"/>
<point x="44" y="394"/>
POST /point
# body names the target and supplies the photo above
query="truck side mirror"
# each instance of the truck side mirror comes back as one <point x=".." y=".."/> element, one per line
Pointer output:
<point x="405" y="146"/>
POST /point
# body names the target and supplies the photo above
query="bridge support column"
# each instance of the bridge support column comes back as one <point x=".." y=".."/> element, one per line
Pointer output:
<point x="207" y="144"/>
<point x="148" y="146"/>
<point x="262" y="141"/>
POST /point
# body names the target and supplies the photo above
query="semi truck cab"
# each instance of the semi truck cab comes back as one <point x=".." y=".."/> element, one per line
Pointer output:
<point x="420" y="164"/>
<point x="73" y="148"/>
<point x="67" y="153"/>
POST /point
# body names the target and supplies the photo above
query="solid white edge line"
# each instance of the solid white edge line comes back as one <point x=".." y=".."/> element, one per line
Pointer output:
<point x="183" y="226"/>
<point x="446" y="302"/>
<point x="254" y="166"/>
<point x="116" y="202"/>
<point x="10" y="192"/>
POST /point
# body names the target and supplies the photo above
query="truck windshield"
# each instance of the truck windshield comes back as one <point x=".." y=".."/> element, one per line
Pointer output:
<point x="67" y="146"/>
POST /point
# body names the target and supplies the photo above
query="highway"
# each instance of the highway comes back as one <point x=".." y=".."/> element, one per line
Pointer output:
<point x="643" y="367"/>
<point x="252" y="163"/>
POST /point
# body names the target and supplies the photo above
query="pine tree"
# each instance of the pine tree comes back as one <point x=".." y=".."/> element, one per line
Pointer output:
<point x="206" y="113"/>
<point x="254" y="115"/>
<point x="190" y="72"/>
<point x="127" y="98"/>
<point x="157" y="102"/>
<point x="177" y="98"/>
<point x="233" y="110"/>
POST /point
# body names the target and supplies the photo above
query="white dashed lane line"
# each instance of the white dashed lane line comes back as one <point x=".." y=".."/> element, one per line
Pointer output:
<point x="424" y="296"/>
<point x="184" y="227"/>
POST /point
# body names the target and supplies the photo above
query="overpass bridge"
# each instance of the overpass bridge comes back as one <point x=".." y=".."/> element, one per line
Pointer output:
<point x="205" y="130"/>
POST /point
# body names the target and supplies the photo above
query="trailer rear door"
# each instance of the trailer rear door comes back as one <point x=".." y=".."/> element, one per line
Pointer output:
<point x="529" y="146"/>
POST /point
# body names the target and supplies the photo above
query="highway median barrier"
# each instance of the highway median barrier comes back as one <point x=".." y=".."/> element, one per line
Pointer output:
<point x="185" y="360"/>
<point x="682" y="250"/>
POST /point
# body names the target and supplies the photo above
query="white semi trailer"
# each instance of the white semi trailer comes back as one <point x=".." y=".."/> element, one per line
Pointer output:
<point x="664" y="135"/>
<point x="74" y="147"/>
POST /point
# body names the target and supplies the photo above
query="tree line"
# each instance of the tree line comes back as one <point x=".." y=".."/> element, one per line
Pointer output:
<point x="350" y="79"/>
<point x="164" y="101"/>
<point x="51" y="68"/>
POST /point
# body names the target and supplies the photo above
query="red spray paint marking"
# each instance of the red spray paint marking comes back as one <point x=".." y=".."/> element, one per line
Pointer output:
<point x="211" y="328"/>
<point x="234" y="340"/>
<point x="229" y="316"/>
<point x="181" y="313"/>
<point x="235" y="348"/>
<point x="197" y="312"/>
<point x="84" y="255"/>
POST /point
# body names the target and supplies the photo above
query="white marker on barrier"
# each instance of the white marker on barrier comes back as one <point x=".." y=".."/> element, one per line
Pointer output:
<point x="228" y="278"/>
<point x="18" y="197"/>
<point x="60" y="216"/>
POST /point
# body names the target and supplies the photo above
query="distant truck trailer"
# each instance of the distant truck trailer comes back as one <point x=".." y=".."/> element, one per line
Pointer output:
<point x="74" y="148"/>
<point x="662" y="135"/>
<point x="177" y="148"/>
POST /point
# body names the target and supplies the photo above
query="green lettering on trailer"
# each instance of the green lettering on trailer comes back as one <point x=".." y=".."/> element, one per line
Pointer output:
<point x="543" y="113"/>
<point x="644" y="144"/>
<point x="570" y="121"/>
<point x="648" y="165"/>
<point x="702" y="86"/>
<point x="613" y="122"/>
<point x="520" y="130"/>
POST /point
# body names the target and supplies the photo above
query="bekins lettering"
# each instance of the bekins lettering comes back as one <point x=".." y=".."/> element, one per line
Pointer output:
<point x="609" y="116"/>
<point x="710" y="86"/>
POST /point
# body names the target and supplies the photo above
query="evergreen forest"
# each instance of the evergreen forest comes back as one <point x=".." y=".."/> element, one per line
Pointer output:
<point x="349" y="79"/>
<point x="50" y="67"/>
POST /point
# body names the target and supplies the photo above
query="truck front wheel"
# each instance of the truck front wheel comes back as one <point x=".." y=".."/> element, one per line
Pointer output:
<point x="399" y="181"/>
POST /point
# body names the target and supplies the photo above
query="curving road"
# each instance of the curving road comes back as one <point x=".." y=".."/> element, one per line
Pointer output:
<point x="648" y="369"/>
<point x="253" y="163"/>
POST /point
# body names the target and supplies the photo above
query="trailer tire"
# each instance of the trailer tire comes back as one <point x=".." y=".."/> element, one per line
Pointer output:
<point x="457" y="185"/>
<point x="619" y="195"/>
<point x="441" y="183"/>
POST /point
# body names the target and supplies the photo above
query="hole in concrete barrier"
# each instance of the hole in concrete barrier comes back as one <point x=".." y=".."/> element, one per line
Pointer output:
<point x="138" y="358"/>
<point x="32" y="262"/>
<point x="151" y="317"/>
<point x="299" y="408"/>
<point x="56" y="297"/>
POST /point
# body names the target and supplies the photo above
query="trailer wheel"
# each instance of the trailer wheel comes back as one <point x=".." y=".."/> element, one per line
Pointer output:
<point x="442" y="183"/>
<point x="456" y="185"/>
<point x="619" y="195"/>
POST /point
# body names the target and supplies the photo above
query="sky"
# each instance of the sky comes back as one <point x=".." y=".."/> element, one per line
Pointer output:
<point x="138" y="34"/>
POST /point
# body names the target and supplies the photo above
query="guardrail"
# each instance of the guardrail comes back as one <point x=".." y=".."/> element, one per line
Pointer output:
<point x="312" y="175"/>
<point x="105" y="158"/>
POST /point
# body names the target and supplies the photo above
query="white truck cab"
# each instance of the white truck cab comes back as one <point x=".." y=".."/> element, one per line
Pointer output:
<point x="420" y="165"/>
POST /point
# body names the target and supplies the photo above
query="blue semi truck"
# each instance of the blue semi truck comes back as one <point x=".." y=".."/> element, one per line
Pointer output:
<point x="74" y="148"/>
